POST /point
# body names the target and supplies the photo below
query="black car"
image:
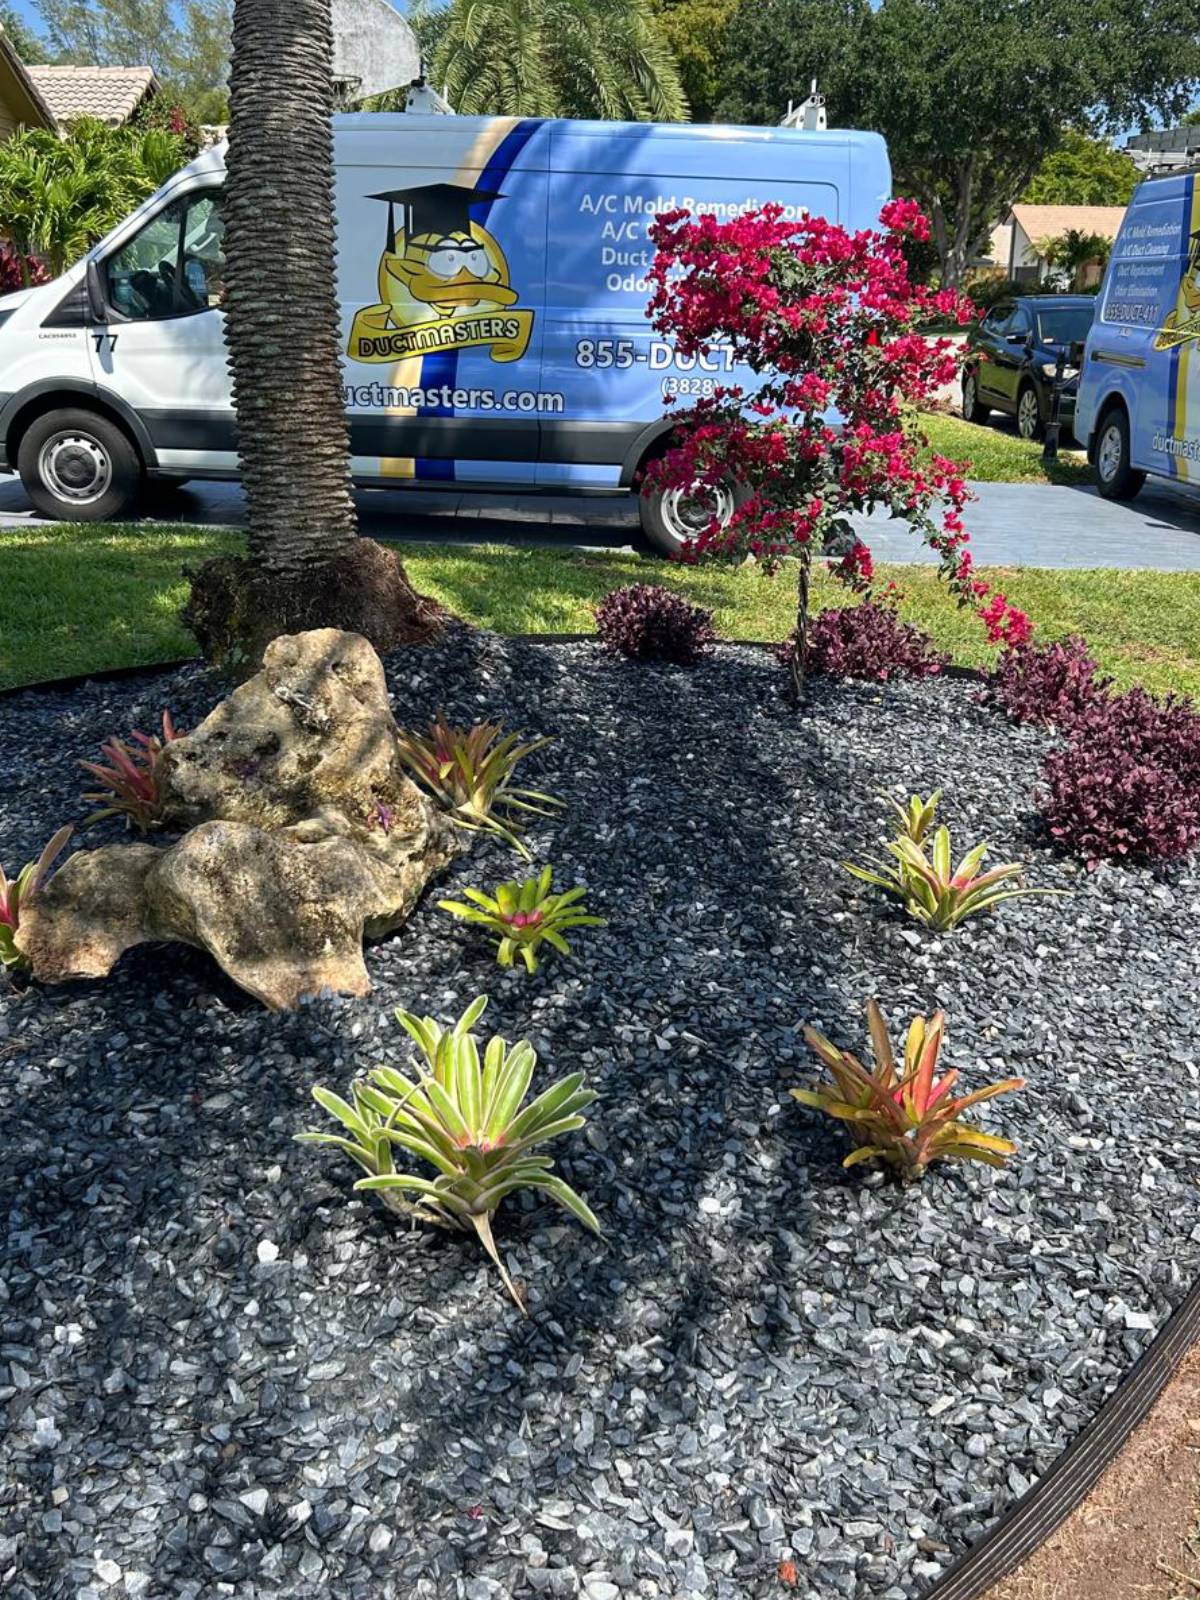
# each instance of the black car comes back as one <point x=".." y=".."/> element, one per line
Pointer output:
<point x="1011" y="354"/>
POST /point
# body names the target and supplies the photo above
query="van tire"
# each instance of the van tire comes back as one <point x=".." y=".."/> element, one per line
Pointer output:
<point x="666" y="523"/>
<point x="1116" y="477"/>
<point x="77" y="466"/>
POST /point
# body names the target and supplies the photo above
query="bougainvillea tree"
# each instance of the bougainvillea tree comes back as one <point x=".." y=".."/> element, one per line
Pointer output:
<point x="827" y="321"/>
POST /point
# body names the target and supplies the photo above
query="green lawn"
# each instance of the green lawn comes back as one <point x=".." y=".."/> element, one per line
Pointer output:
<point x="998" y="456"/>
<point x="79" y="599"/>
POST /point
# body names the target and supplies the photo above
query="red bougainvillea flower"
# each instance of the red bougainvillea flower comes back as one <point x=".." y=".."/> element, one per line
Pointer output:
<point x="830" y="323"/>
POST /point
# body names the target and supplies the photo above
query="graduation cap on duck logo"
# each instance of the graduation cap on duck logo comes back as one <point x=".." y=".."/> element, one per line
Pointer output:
<point x="440" y="209"/>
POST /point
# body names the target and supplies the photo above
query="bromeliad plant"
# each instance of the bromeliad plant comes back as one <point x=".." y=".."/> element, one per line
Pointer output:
<point x="469" y="772"/>
<point x="16" y="893"/>
<point x="523" y="915"/>
<point x="461" y="1113"/>
<point x="129" y="779"/>
<point x="933" y="890"/>
<point x="914" y="819"/>
<point x="906" y="1116"/>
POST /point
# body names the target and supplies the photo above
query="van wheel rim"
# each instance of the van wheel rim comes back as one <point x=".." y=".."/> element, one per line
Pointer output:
<point x="1027" y="415"/>
<point x="1108" y="457"/>
<point x="686" y="513"/>
<point x="75" y="468"/>
<point x="969" y="398"/>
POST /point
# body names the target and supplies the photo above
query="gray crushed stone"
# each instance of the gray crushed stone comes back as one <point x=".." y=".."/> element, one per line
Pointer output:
<point x="222" y="1373"/>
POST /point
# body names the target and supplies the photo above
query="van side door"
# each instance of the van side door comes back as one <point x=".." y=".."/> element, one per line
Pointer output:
<point x="608" y="183"/>
<point x="162" y="349"/>
<point x="442" y="290"/>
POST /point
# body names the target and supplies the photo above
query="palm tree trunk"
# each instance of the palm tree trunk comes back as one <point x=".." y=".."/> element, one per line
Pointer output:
<point x="281" y="309"/>
<point x="307" y="567"/>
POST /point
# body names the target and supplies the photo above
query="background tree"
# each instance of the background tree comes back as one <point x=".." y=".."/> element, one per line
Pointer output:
<point x="972" y="95"/>
<point x="306" y="566"/>
<point x="697" y="32"/>
<point x="428" y="21"/>
<point x="781" y="45"/>
<point x="21" y="36"/>
<point x="1083" y="172"/>
<point x="58" y="196"/>
<point x="185" y="41"/>
<point x="558" y="58"/>
<point x="1074" y="251"/>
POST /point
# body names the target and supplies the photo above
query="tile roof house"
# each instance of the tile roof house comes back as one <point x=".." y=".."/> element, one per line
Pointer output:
<point x="1016" y="243"/>
<point x="21" y="103"/>
<point x="111" y="94"/>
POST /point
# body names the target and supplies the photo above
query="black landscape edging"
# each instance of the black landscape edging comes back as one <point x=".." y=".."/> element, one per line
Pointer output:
<point x="105" y="675"/>
<point x="1050" y="1501"/>
<point x="117" y="674"/>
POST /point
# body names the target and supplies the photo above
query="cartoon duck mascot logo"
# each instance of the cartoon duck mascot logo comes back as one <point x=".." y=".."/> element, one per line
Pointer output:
<point x="1184" y="322"/>
<point x="443" y="282"/>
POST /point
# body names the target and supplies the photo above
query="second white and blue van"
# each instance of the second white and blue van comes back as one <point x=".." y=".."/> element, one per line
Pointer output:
<point x="493" y="290"/>
<point x="1138" y="406"/>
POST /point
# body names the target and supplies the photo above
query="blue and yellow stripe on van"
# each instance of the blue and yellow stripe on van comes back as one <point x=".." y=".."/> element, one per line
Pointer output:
<point x="1183" y="379"/>
<point x="487" y="164"/>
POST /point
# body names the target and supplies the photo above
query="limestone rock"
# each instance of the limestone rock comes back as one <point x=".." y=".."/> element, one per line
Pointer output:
<point x="311" y="733"/>
<point x="303" y="833"/>
<point x="92" y="910"/>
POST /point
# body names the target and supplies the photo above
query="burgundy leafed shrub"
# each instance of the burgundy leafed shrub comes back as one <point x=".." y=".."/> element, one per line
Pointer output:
<point x="867" y="641"/>
<point x="649" y="623"/>
<point x="1127" y="787"/>
<point x="11" y="277"/>
<point x="1051" y="685"/>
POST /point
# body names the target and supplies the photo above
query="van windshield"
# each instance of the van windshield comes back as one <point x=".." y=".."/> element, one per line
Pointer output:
<point x="1064" y="324"/>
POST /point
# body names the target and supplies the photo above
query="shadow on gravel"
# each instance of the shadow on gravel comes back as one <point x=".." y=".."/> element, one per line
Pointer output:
<point x="725" y="1358"/>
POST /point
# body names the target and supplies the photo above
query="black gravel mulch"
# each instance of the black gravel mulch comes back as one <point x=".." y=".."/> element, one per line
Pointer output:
<point x="222" y="1373"/>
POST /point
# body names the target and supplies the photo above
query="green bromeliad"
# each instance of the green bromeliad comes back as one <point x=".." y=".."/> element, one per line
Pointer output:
<point x="523" y="915"/>
<point x="468" y="772"/>
<point x="915" y="817"/>
<point x="933" y="890"/>
<point x="461" y="1113"/>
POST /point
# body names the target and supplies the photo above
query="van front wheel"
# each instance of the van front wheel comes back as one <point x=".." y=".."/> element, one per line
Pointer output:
<point x="1116" y="477"/>
<point x="671" y="518"/>
<point x="79" y="467"/>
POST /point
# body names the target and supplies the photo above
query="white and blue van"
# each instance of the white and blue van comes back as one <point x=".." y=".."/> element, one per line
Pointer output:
<point x="492" y="278"/>
<point x="1138" y="406"/>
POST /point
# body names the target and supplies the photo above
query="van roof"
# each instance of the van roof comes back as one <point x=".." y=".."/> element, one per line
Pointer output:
<point x="717" y="132"/>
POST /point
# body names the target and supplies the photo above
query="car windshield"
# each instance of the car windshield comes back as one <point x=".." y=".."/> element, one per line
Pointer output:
<point x="1064" y="324"/>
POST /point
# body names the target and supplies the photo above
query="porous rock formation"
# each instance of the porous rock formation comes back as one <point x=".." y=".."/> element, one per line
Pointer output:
<point x="301" y="833"/>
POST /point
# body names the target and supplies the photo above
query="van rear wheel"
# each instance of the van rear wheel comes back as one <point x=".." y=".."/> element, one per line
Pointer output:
<point x="79" y="467"/>
<point x="1116" y="476"/>
<point x="671" y="518"/>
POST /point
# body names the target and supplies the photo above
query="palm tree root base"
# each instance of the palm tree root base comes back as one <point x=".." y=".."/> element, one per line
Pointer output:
<point x="236" y="607"/>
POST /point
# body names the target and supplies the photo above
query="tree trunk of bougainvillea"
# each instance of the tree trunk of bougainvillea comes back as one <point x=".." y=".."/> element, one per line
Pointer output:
<point x="307" y="565"/>
<point x="798" y="665"/>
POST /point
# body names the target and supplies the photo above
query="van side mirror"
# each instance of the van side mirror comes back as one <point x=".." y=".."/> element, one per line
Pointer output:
<point x="97" y="305"/>
<point x="1075" y="354"/>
